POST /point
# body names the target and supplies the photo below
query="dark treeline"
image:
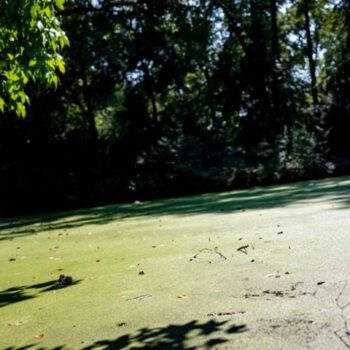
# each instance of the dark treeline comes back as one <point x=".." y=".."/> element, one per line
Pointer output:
<point x="173" y="97"/>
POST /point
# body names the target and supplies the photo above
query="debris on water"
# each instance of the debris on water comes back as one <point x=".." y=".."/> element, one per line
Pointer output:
<point x="320" y="283"/>
<point x="295" y="285"/>
<point x="276" y="275"/>
<point x="280" y="233"/>
<point x="39" y="336"/>
<point x="17" y="323"/>
<point x="141" y="273"/>
<point x="251" y="295"/>
<point x="274" y="326"/>
<point x="122" y="324"/>
<point x="233" y="313"/>
<point x="243" y="249"/>
<point x="203" y="253"/>
<point x="182" y="296"/>
<point x="277" y="293"/>
<point x="140" y="297"/>
<point x="12" y="259"/>
<point x="64" y="279"/>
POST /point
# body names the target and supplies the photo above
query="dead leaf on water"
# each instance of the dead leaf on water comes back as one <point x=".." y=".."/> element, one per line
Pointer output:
<point x="182" y="296"/>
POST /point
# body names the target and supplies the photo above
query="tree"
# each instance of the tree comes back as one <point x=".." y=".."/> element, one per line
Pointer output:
<point x="310" y="51"/>
<point x="30" y="41"/>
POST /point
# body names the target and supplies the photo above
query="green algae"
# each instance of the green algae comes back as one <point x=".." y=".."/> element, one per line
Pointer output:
<point x="188" y="296"/>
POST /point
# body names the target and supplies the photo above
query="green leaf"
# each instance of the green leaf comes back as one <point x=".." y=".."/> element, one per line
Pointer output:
<point x="20" y="110"/>
<point x="60" y="65"/>
<point x="59" y="4"/>
<point x="34" y="10"/>
<point x="2" y="105"/>
<point x="22" y="97"/>
<point x="32" y="63"/>
<point x="24" y="78"/>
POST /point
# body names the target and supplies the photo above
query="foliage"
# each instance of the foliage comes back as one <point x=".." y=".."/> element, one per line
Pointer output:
<point x="30" y="41"/>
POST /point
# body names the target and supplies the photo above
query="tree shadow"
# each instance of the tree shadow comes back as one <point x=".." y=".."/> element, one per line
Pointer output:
<point x="21" y="293"/>
<point x="207" y="335"/>
<point x="336" y="190"/>
<point x="13" y="295"/>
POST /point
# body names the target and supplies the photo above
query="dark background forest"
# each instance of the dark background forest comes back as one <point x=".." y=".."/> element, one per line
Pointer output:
<point x="164" y="98"/>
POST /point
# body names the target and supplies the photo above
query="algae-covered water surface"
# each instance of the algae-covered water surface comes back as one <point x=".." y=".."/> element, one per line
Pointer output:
<point x="261" y="268"/>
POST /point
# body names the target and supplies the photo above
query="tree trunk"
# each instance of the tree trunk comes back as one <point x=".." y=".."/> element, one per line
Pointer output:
<point x="259" y="57"/>
<point x="279" y="105"/>
<point x="274" y="31"/>
<point x="150" y="91"/>
<point x="275" y="57"/>
<point x="234" y="26"/>
<point x="89" y="113"/>
<point x="310" y="53"/>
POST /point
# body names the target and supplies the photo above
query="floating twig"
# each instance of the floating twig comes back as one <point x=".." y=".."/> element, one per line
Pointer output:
<point x="345" y="339"/>
<point x="243" y="249"/>
<point x="140" y="297"/>
<point x="210" y="251"/>
<point x="213" y="314"/>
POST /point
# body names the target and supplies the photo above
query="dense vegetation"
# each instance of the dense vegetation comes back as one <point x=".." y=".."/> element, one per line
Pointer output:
<point x="173" y="97"/>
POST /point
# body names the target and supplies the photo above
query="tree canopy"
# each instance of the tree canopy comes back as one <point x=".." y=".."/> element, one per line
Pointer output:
<point x="30" y="41"/>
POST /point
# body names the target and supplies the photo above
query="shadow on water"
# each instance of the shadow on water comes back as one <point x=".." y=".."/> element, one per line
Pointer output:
<point x="208" y="334"/>
<point x="21" y="293"/>
<point x="336" y="190"/>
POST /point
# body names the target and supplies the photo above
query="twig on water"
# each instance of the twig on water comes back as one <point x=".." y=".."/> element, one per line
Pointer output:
<point x="243" y="249"/>
<point x="210" y="251"/>
<point x="345" y="339"/>
<point x="140" y="297"/>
